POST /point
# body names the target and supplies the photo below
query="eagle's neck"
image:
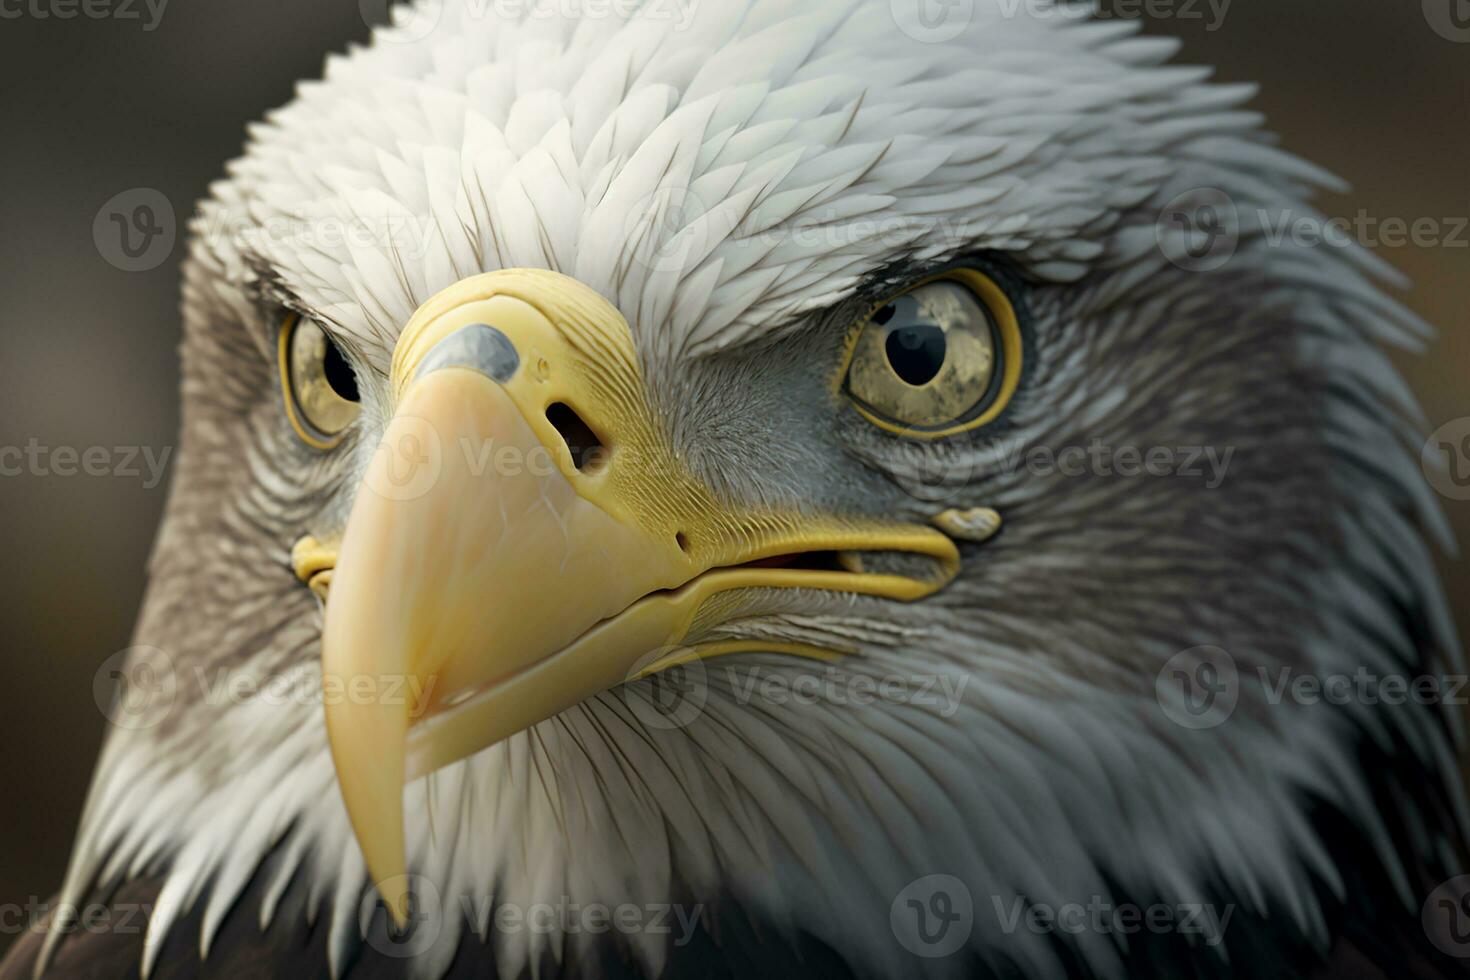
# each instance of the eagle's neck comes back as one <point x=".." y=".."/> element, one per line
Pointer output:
<point x="585" y="811"/>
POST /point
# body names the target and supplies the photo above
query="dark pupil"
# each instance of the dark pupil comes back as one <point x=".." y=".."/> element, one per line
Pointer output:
<point x="339" y="373"/>
<point x="916" y="352"/>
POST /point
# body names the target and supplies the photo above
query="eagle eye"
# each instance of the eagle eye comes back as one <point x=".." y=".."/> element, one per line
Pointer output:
<point x="942" y="357"/>
<point x="317" y="383"/>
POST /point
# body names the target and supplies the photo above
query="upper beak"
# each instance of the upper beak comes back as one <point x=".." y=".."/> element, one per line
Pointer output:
<point x="525" y="538"/>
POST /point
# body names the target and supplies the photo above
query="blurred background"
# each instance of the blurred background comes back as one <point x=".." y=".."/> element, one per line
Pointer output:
<point x="1377" y="92"/>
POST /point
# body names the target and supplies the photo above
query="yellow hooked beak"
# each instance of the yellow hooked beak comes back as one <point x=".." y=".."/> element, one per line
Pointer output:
<point x="525" y="538"/>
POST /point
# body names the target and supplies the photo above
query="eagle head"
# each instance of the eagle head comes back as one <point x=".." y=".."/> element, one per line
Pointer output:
<point x="772" y="461"/>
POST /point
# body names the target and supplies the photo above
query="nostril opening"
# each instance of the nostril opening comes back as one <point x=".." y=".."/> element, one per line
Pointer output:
<point x="588" y="452"/>
<point x="682" y="540"/>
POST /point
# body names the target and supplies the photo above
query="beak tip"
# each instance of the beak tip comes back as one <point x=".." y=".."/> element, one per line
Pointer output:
<point x="396" y="898"/>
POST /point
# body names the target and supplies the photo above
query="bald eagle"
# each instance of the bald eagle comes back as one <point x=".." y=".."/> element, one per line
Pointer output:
<point x="775" y="488"/>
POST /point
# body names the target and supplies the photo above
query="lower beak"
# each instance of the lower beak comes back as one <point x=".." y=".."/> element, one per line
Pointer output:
<point x="524" y="539"/>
